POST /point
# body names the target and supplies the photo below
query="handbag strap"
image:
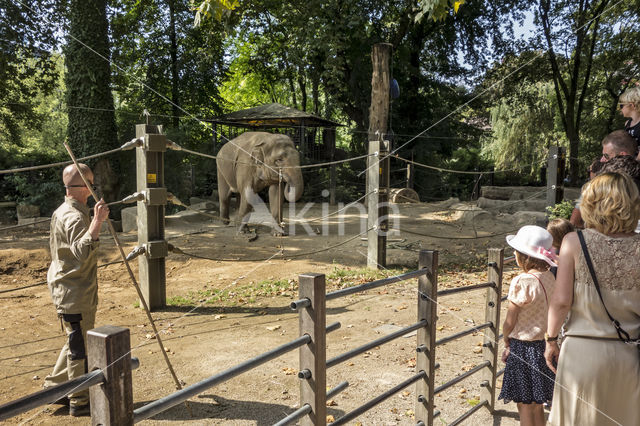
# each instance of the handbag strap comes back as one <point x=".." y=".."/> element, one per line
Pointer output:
<point x="622" y="334"/>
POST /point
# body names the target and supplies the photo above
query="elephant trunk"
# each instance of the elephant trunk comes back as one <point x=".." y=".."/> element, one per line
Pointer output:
<point x="294" y="187"/>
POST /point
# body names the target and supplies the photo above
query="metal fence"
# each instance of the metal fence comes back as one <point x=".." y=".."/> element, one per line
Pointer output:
<point x="111" y="387"/>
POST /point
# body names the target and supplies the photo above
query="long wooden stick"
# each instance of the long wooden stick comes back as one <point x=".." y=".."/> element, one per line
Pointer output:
<point x="133" y="278"/>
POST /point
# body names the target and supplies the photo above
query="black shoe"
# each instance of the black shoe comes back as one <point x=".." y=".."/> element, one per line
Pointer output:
<point x="62" y="401"/>
<point x="79" y="410"/>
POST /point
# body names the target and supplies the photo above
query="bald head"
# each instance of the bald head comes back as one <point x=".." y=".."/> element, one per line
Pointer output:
<point x="70" y="175"/>
<point x="619" y="142"/>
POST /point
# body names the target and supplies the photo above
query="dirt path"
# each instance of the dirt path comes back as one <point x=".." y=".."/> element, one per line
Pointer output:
<point x="222" y="312"/>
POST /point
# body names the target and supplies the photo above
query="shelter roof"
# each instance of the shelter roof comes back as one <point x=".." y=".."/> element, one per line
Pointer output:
<point x="273" y="115"/>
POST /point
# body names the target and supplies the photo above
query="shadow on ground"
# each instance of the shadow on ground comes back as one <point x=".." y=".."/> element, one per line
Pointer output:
<point x="227" y="410"/>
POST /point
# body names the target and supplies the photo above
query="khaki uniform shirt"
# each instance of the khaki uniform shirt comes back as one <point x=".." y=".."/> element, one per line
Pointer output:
<point x="73" y="274"/>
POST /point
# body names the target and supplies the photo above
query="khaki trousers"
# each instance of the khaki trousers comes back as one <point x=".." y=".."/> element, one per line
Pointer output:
<point x="71" y="362"/>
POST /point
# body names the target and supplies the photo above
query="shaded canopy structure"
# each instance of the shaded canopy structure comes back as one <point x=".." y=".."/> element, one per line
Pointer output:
<point x="314" y="136"/>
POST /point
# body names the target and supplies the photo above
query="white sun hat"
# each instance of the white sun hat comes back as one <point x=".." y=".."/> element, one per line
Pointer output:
<point x="533" y="241"/>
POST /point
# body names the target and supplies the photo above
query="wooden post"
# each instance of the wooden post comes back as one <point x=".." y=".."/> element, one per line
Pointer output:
<point x="313" y="357"/>
<point x="377" y="204"/>
<point x="555" y="175"/>
<point x="426" y="340"/>
<point x="109" y="350"/>
<point x="150" y="178"/>
<point x="492" y="314"/>
<point x="379" y="110"/>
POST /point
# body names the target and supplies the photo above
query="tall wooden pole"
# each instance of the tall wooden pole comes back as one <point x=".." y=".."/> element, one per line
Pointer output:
<point x="150" y="179"/>
<point x="378" y="119"/>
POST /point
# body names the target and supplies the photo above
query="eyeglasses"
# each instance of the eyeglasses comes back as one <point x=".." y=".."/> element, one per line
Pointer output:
<point x="94" y="187"/>
<point x="622" y="105"/>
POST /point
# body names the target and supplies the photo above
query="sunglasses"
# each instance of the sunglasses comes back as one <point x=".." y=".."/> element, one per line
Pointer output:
<point x="94" y="187"/>
<point x="622" y="105"/>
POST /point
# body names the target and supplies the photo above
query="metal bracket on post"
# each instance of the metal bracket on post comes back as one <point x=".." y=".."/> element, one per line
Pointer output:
<point x="492" y="314"/>
<point x="150" y="182"/>
<point x="555" y="175"/>
<point x="313" y="356"/>
<point x="426" y="336"/>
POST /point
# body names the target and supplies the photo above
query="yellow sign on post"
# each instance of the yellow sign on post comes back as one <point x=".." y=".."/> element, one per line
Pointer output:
<point x="152" y="178"/>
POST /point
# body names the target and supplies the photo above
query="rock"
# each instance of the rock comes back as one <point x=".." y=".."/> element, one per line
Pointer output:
<point x="469" y="213"/>
<point x="446" y="203"/>
<point x="129" y="219"/>
<point x="403" y="195"/>
<point x="496" y="192"/>
<point x="26" y="211"/>
<point x="530" y="218"/>
<point x="204" y="205"/>
<point x="38" y="222"/>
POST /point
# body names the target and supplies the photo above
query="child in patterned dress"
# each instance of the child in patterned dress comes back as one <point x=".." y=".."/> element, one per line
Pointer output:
<point x="527" y="379"/>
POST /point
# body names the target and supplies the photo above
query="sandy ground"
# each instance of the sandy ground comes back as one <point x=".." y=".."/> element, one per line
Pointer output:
<point x="229" y="305"/>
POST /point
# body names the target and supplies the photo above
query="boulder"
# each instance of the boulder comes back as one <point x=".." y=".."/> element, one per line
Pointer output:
<point x="469" y="213"/>
<point x="446" y="203"/>
<point x="403" y="195"/>
<point x="129" y="219"/>
<point x="530" y="218"/>
<point x="26" y="211"/>
<point x="496" y="192"/>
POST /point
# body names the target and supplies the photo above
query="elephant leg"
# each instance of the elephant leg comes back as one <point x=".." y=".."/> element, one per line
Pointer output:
<point x="224" y="197"/>
<point x="244" y="208"/>
<point x="276" y="200"/>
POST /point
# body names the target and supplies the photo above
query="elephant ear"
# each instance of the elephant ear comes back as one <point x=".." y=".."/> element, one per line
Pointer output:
<point x="257" y="154"/>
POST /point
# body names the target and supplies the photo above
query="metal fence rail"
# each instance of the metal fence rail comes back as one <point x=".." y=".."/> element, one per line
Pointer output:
<point x="377" y="400"/>
<point x="461" y="377"/>
<point x="54" y="393"/>
<point x="466" y="288"/>
<point x="306" y="408"/>
<point x="463" y="333"/>
<point x="385" y="339"/>
<point x="182" y="395"/>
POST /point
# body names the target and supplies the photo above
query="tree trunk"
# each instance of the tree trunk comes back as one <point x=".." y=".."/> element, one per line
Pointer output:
<point x="173" y="51"/>
<point x="88" y="82"/>
<point x="303" y="90"/>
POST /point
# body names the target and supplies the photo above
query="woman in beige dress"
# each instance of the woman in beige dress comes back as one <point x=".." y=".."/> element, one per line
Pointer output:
<point x="598" y="375"/>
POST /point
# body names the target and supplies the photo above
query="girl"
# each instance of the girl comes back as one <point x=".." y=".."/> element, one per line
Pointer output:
<point x="558" y="228"/>
<point x="527" y="379"/>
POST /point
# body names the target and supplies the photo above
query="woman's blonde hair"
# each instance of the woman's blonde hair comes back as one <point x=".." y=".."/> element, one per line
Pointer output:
<point x="528" y="263"/>
<point x="610" y="203"/>
<point x="631" y="95"/>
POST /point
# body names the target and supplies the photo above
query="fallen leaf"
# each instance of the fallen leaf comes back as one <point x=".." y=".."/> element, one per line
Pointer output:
<point x="219" y="316"/>
<point x="289" y="371"/>
<point x="330" y="419"/>
<point x="331" y="403"/>
<point x="273" y="328"/>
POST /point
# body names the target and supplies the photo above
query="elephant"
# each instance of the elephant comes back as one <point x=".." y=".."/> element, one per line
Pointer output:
<point x="251" y="162"/>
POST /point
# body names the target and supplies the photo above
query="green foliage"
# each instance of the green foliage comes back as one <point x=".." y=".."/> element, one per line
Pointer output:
<point x="523" y="128"/>
<point x="436" y="9"/>
<point x="561" y="210"/>
<point x="208" y="8"/>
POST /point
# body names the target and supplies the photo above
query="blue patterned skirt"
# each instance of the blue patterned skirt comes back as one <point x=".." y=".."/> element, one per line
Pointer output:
<point x="527" y="379"/>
